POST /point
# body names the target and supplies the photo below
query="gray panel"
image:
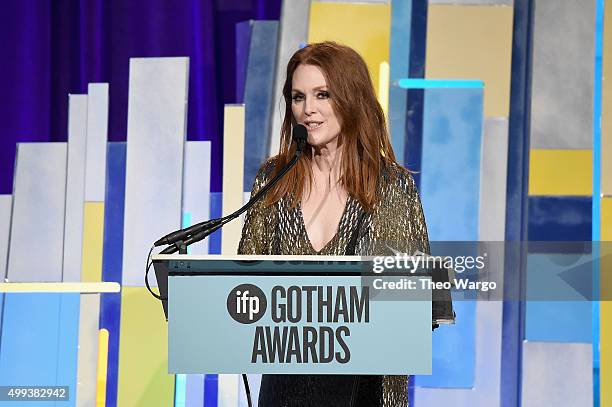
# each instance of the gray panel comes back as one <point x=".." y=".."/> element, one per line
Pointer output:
<point x="563" y="58"/>
<point x="97" y="130"/>
<point x="39" y="195"/>
<point x="75" y="187"/>
<point x="557" y="374"/>
<point x="5" y="227"/>
<point x="87" y="357"/>
<point x="293" y="32"/>
<point x="485" y="392"/>
<point x="196" y="187"/>
<point x="472" y="2"/>
<point x="157" y="110"/>
<point x="493" y="172"/>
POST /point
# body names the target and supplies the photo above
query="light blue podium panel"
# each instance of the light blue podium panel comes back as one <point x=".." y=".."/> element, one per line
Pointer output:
<point x="97" y="136"/>
<point x="212" y="330"/>
<point x="39" y="196"/>
<point x="157" y="113"/>
<point x="75" y="187"/>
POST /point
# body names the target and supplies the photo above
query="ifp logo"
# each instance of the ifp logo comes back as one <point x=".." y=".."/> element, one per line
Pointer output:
<point x="246" y="303"/>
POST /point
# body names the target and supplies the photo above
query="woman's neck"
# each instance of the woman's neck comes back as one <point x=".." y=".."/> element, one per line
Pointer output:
<point x="326" y="165"/>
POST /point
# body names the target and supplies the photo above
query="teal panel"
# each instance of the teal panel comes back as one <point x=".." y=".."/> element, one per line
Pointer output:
<point x="39" y="342"/>
<point x="450" y="185"/>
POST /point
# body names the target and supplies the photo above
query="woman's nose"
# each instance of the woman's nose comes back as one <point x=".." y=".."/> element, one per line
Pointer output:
<point x="309" y="106"/>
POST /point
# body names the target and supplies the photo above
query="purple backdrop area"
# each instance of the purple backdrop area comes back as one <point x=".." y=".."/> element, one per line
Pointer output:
<point x="56" y="47"/>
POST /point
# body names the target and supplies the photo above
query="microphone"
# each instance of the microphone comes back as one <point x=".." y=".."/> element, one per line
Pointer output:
<point x="201" y="230"/>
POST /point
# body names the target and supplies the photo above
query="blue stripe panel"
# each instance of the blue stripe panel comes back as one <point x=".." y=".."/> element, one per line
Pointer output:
<point x="110" y="304"/>
<point x="399" y="58"/>
<point x="516" y="200"/>
<point x="415" y="97"/>
<point x="556" y="312"/>
<point x="258" y="97"/>
<point x="243" y="41"/>
<point x="596" y="231"/>
<point x="39" y="342"/>
<point x="211" y="388"/>
<point x="553" y="218"/>
<point x="412" y="83"/>
<point x="216" y="206"/>
<point x="450" y="187"/>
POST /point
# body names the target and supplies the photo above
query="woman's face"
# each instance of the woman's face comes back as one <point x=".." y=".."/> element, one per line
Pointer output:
<point x="311" y="106"/>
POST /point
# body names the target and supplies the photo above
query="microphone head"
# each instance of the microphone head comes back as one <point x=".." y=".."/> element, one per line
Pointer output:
<point x="300" y="135"/>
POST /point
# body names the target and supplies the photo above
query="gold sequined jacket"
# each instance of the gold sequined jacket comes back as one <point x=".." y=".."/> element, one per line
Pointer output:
<point x="395" y="224"/>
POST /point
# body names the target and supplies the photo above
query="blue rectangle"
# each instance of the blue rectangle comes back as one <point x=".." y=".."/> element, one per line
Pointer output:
<point x="39" y="343"/>
<point x="258" y="97"/>
<point x="560" y="218"/>
<point x="450" y="192"/>
<point x="112" y="254"/>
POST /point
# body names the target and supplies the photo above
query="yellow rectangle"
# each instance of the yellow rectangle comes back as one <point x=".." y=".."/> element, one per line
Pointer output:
<point x="561" y="172"/>
<point x="233" y="174"/>
<point x="102" y="370"/>
<point x="364" y="27"/>
<point x="143" y="378"/>
<point x="93" y="238"/>
<point x="472" y="42"/>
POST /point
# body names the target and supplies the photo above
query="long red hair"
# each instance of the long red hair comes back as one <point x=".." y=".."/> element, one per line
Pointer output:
<point x="364" y="139"/>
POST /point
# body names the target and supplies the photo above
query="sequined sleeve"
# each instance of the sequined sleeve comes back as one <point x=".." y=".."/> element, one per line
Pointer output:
<point x="259" y="220"/>
<point x="397" y="223"/>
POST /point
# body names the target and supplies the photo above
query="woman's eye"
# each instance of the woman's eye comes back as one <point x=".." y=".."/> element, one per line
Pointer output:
<point x="323" y="95"/>
<point x="297" y="97"/>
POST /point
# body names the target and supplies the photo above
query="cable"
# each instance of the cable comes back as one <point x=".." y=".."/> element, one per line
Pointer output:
<point x="245" y="379"/>
<point x="148" y="264"/>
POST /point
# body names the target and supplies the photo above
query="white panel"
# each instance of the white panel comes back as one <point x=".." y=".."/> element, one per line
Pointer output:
<point x="228" y="390"/>
<point x="75" y="187"/>
<point x="485" y="392"/>
<point x="196" y="187"/>
<point x="293" y="32"/>
<point x="157" y="110"/>
<point x="557" y="374"/>
<point x="493" y="180"/>
<point x="5" y="226"/>
<point x="37" y="225"/>
<point x="97" y="130"/>
<point x="87" y="360"/>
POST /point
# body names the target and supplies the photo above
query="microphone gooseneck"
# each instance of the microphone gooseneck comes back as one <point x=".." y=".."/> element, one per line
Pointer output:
<point x="201" y="230"/>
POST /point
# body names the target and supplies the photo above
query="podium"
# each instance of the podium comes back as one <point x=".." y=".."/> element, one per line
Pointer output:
<point x="293" y="315"/>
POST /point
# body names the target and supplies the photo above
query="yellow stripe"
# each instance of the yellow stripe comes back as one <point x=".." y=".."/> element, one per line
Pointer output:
<point x="83" y="288"/>
<point x="345" y="23"/>
<point x="383" y="88"/>
<point x="605" y="307"/>
<point x="93" y="234"/>
<point x="560" y="172"/>
<point x="102" y="368"/>
<point x="233" y="174"/>
<point x="143" y="352"/>
<point x="475" y="42"/>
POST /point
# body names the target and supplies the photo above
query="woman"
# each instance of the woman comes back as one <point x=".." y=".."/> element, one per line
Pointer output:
<point x="346" y="195"/>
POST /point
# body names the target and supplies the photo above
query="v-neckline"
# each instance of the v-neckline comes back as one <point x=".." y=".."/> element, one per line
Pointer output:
<point x="346" y="205"/>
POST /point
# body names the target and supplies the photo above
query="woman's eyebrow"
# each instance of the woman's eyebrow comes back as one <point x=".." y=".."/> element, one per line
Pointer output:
<point x="321" y="87"/>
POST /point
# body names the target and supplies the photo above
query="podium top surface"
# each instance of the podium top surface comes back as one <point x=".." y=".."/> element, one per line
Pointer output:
<point x="238" y="257"/>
